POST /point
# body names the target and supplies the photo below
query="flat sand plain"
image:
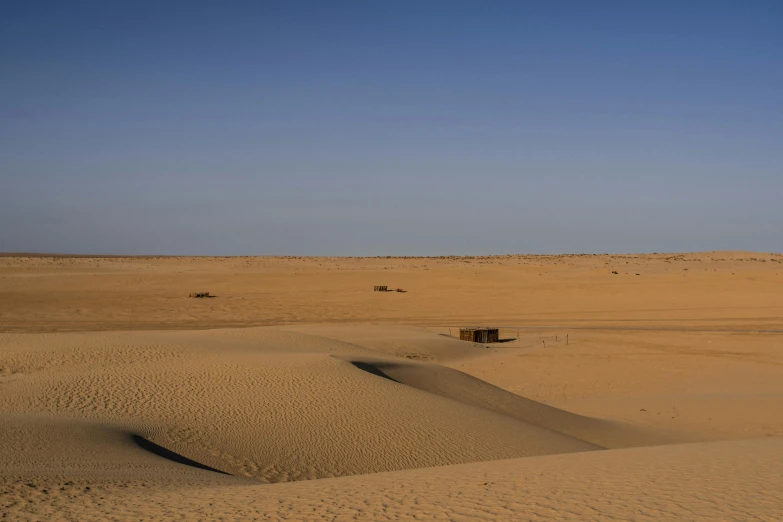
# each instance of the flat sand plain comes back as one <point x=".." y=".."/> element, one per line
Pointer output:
<point x="627" y="387"/>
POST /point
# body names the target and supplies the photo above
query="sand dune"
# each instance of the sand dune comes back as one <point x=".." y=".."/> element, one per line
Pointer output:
<point x="268" y="415"/>
<point x="52" y="446"/>
<point x="395" y="421"/>
<point x="449" y="383"/>
<point x="712" y="481"/>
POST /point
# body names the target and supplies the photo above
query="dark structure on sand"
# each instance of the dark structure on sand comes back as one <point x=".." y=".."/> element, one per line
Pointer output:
<point x="479" y="335"/>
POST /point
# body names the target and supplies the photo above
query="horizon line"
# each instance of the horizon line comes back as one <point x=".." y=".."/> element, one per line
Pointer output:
<point x="443" y="256"/>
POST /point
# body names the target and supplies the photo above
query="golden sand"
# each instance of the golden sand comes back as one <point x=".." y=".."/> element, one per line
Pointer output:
<point x="652" y="393"/>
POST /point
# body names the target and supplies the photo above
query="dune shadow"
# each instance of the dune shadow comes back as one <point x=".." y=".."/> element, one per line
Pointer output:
<point x="369" y="368"/>
<point x="170" y="455"/>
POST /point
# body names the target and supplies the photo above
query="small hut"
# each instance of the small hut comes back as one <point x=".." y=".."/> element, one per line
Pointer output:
<point x="379" y="288"/>
<point x="479" y="335"/>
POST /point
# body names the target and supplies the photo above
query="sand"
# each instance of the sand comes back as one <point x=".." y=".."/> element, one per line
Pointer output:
<point x="299" y="393"/>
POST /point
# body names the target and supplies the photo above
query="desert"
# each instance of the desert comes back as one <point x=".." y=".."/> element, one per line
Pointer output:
<point x="402" y="260"/>
<point x="624" y="387"/>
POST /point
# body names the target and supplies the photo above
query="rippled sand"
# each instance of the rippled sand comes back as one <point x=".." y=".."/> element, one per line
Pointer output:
<point x="300" y="393"/>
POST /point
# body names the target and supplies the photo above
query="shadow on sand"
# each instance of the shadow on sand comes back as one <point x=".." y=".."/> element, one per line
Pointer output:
<point x="170" y="455"/>
<point x="369" y="368"/>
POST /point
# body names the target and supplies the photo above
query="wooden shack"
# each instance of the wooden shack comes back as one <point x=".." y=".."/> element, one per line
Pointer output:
<point x="380" y="288"/>
<point x="199" y="294"/>
<point x="479" y="335"/>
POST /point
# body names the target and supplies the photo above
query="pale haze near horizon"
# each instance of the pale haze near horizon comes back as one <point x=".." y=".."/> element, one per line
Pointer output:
<point x="400" y="128"/>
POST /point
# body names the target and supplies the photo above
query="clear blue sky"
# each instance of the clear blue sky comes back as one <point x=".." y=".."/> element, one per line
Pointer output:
<point x="375" y="128"/>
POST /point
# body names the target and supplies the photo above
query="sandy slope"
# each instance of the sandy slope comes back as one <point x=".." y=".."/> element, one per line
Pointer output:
<point x="710" y="481"/>
<point x="612" y="423"/>
<point x="285" y="406"/>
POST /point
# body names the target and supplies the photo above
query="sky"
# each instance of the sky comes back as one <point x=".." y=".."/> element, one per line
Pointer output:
<point x="390" y="127"/>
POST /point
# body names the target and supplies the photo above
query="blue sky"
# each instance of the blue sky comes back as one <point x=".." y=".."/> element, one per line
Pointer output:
<point x="390" y="128"/>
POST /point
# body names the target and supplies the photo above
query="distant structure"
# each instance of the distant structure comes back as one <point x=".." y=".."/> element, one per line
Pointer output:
<point x="479" y="335"/>
<point x="199" y="294"/>
<point x="380" y="288"/>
